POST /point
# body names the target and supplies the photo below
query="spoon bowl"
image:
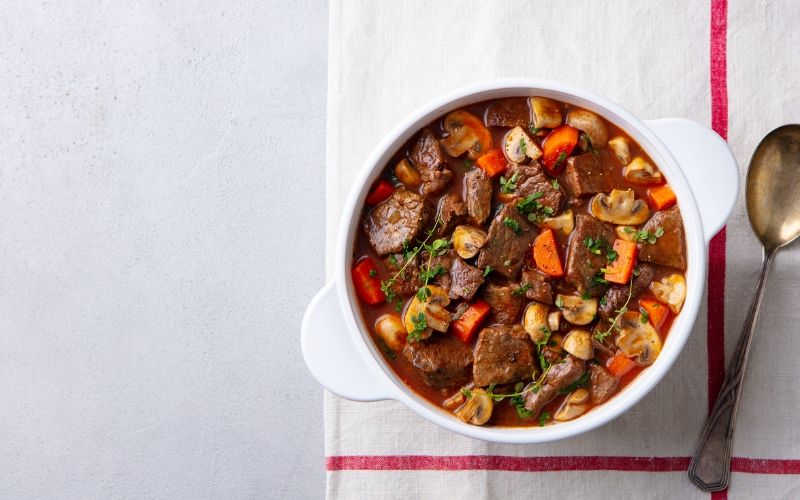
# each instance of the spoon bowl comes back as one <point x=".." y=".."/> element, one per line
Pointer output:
<point x="773" y="188"/>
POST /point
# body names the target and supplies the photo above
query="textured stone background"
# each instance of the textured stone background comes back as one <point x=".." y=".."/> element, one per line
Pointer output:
<point x="162" y="222"/>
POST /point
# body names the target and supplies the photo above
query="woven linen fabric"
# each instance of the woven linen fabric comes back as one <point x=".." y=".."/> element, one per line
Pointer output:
<point x="732" y="65"/>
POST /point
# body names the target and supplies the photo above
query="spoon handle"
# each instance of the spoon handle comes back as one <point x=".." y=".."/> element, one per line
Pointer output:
<point x="710" y="468"/>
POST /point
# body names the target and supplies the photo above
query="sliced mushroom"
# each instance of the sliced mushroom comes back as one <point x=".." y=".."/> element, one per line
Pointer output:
<point x="627" y="233"/>
<point x="641" y="172"/>
<point x="671" y="291"/>
<point x="555" y="343"/>
<point x="591" y="124"/>
<point x="619" y="145"/>
<point x="579" y="396"/>
<point x="477" y="409"/>
<point x="620" y="207"/>
<point x="407" y="174"/>
<point x="546" y="112"/>
<point x="458" y="398"/>
<point x="436" y="316"/>
<point x="569" y="411"/>
<point x="535" y="321"/>
<point x="468" y="240"/>
<point x="638" y="340"/>
<point x="579" y="344"/>
<point x="576" y="309"/>
<point x="466" y="134"/>
<point x="554" y="321"/>
<point x="518" y="146"/>
<point x="563" y="223"/>
<point x="390" y="329"/>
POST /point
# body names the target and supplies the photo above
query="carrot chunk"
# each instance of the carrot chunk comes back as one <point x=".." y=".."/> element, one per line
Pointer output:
<point x="493" y="163"/>
<point x="465" y="327"/>
<point x="621" y="269"/>
<point x="381" y="192"/>
<point x="656" y="312"/>
<point x="620" y="364"/>
<point x="661" y="197"/>
<point x="545" y="254"/>
<point x="366" y="281"/>
<point x="557" y="146"/>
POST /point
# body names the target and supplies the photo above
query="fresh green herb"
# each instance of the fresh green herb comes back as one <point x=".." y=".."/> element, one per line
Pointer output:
<point x="534" y="130"/>
<point x="559" y="302"/>
<point x="595" y="245"/>
<point x="406" y="250"/>
<point x="601" y="336"/>
<point x="637" y="271"/>
<point x="393" y="261"/>
<point x="611" y="255"/>
<point x="398" y="306"/>
<point x="518" y="402"/>
<point x="428" y="274"/>
<point x="543" y="418"/>
<point x="487" y="271"/>
<point x="373" y="273"/>
<point x="508" y="185"/>
<point x="512" y="224"/>
<point x="575" y="385"/>
<point x="543" y="341"/>
<point x="423" y="293"/>
<point x="533" y="209"/>
<point x="560" y="160"/>
<point x="523" y="148"/>
<point x="647" y="237"/>
<point x="599" y="279"/>
<point x="588" y="140"/>
<point x="420" y="324"/>
<point x="585" y="295"/>
<point x="466" y="392"/>
<point x="603" y="301"/>
<point x="644" y="316"/>
<point x="519" y="292"/>
<point x="554" y="183"/>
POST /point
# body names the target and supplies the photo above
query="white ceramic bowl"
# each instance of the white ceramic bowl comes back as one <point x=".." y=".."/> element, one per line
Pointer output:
<point x="697" y="164"/>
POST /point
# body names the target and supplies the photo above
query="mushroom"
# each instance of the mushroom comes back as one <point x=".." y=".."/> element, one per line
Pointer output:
<point x="627" y="233"/>
<point x="563" y="223"/>
<point x="477" y="409"/>
<point x="466" y="134"/>
<point x="436" y="316"/>
<point x="638" y="340"/>
<point x="576" y="309"/>
<point x="591" y="124"/>
<point x="569" y="410"/>
<point x="458" y="398"/>
<point x="619" y="145"/>
<point x="579" y="396"/>
<point x="641" y="172"/>
<point x="518" y="146"/>
<point x="535" y="321"/>
<point x="391" y="330"/>
<point x="555" y="343"/>
<point x="579" y="344"/>
<point x="620" y="207"/>
<point x="546" y="112"/>
<point x="467" y="240"/>
<point x="671" y="291"/>
<point x="554" y="321"/>
<point x="407" y="174"/>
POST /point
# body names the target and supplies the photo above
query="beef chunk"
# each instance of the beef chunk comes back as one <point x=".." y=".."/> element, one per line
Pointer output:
<point x="617" y="295"/>
<point x="451" y="211"/>
<point x="408" y="281"/>
<point x="509" y="112"/>
<point x="540" y="289"/>
<point x="602" y="384"/>
<point x="503" y="354"/>
<point x="582" y="264"/>
<point x="398" y="219"/>
<point x="465" y="279"/>
<point x="478" y="195"/>
<point x="506" y="248"/>
<point x="441" y="360"/>
<point x="558" y="377"/>
<point x="668" y="248"/>
<point x="505" y="304"/>
<point x="445" y="260"/>
<point x="531" y="179"/>
<point x="587" y="174"/>
<point x="427" y="156"/>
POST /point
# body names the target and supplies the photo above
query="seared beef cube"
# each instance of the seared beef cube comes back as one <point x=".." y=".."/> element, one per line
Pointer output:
<point x="505" y="303"/>
<point x="427" y="156"/>
<point x="445" y="260"/>
<point x="531" y="179"/>
<point x="508" y="241"/>
<point x="617" y="295"/>
<point x="398" y="219"/>
<point x="503" y="354"/>
<point x="451" y="211"/>
<point x="465" y="279"/>
<point x="582" y="263"/>
<point x="559" y="376"/>
<point x="441" y="361"/>
<point x="509" y="112"/>
<point x="602" y="385"/>
<point x="478" y="195"/>
<point x="587" y="174"/>
<point x="407" y="281"/>
<point x="668" y="248"/>
<point x="538" y="286"/>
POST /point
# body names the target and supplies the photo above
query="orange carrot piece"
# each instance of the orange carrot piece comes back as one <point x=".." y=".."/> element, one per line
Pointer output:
<point x="661" y="197"/>
<point x="545" y="254"/>
<point x="367" y="283"/>
<point x="493" y="163"/>
<point x="381" y="192"/>
<point x="620" y="364"/>
<point x="465" y="327"/>
<point x="621" y="269"/>
<point x="657" y="312"/>
<point x="557" y="146"/>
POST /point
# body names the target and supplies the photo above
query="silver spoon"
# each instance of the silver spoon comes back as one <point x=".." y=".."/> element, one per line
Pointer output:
<point x="773" y="206"/>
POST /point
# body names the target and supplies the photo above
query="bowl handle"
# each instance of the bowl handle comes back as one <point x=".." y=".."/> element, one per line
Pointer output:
<point x="330" y="353"/>
<point x="709" y="166"/>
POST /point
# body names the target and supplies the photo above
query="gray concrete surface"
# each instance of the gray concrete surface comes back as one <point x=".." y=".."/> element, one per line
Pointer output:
<point x="161" y="226"/>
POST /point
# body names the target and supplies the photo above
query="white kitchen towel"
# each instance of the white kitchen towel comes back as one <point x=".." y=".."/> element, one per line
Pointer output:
<point x="731" y="65"/>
